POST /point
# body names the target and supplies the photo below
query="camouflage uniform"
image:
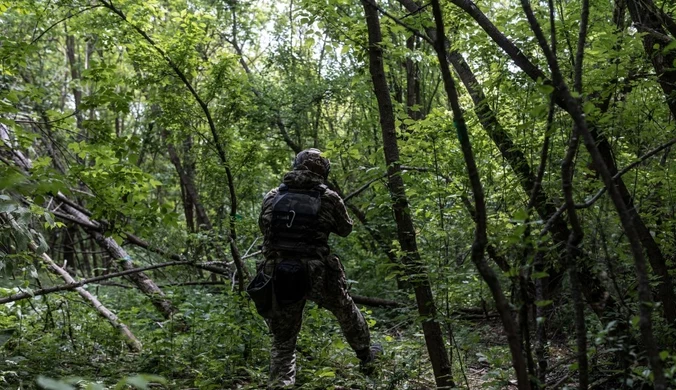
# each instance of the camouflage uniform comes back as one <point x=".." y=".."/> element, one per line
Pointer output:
<point x="328" y="285"/>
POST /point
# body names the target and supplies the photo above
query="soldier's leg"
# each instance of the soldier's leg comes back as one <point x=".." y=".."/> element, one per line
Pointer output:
<point x="284" y="324"/>
<point x="332" y="294"/>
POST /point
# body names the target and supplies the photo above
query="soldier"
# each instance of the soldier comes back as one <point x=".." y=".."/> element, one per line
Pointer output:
<point x="296" y="220"/>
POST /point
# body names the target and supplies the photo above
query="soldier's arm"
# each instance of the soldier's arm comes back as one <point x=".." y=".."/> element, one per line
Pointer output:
<point x="342" y="221"/>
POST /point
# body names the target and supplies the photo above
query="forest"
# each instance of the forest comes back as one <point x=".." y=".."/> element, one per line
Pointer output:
<point x="506" y="165"/>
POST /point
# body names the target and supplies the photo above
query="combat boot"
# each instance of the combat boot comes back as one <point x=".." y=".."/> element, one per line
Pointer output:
<point x="367" y="358"/>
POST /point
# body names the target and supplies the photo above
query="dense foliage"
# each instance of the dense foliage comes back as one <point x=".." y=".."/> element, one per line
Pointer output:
<point x="145" y="134"/>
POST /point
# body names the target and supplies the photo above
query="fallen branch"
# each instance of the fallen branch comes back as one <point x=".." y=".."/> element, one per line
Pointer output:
<point x="95" y="228"/>
<point x="73" y="285"/>
<point x="358" y="299"/>
<point x="474" y="317"/>
<point x="251" y="255"/>
<point x="134" y="240"/>
<point x="132" y="342"/>
<point x="142" y="282"/>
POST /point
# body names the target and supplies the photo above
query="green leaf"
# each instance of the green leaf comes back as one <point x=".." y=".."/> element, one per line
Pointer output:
<point x="140" y="382"/>
<point x="7" y="207"/>
<point x="634" y="321"/>
<point x="520" y="215"/>
<point x="42" y="245"/>
<point x="539" y="275"/>
<point x="670" y="46"/>
<point x="545" y="88"/>
<point x="588" y="107"/>
<point x="51" y="384"/>
<point x="118" y="239"/>
<point x="326" y="373"/>
<point x="543" y="303"/>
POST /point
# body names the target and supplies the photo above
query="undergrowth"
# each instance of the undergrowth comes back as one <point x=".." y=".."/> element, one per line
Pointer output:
<point x="216" y="341"/>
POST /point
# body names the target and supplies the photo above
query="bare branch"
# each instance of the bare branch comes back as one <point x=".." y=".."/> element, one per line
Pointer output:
<point x="76" y="284"/>
<point x="656" y="34"/>
<point x="602" y="191"/>
<point x="399" y="22"/>
<point x="69" y="16"/>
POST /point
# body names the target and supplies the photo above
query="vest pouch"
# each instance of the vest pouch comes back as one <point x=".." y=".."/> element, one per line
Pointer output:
<point x="260" y="292"/>
<point x="290" y="281"/>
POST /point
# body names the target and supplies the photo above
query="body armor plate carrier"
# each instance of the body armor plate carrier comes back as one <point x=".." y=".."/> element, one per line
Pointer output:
<point x="295" y="219"/>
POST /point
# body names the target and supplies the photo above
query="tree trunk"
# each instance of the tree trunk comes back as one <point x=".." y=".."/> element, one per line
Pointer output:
<point x="574" y="108"/>
<point x="595" y="292"/>
<point x="84" y="252"/>
<point x="480" y="235"/>
<point x="436" y="346"/>
<point x="189" y="168"/>
<point x="656" y="258"/>
<point x="646" y="17"/>
<point x="592" y="287"/>
<point x="69" y="249"/>
<point x="75" y="77"/>
<point x="97" y="261"/>
<point x="188" y="184"/>
<point x="412" y="81"/>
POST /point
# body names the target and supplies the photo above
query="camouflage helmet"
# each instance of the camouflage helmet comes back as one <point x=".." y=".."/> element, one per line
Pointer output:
<point x="312" y="160"/>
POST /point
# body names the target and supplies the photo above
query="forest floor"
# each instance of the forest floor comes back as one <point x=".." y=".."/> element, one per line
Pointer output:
<point x="226" y="346"/>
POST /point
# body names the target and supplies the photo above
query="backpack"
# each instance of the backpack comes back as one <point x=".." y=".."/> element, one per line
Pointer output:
<point x="295" y="219"/>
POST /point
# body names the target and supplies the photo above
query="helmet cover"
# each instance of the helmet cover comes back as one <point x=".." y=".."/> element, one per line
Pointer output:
<point x="312" y="160"/>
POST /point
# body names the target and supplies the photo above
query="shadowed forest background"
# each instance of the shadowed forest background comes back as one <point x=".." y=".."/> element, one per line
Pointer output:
<point x="507" y="166"/>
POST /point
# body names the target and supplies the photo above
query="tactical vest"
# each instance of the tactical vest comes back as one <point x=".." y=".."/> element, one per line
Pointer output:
<point x="295" y="219"/>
